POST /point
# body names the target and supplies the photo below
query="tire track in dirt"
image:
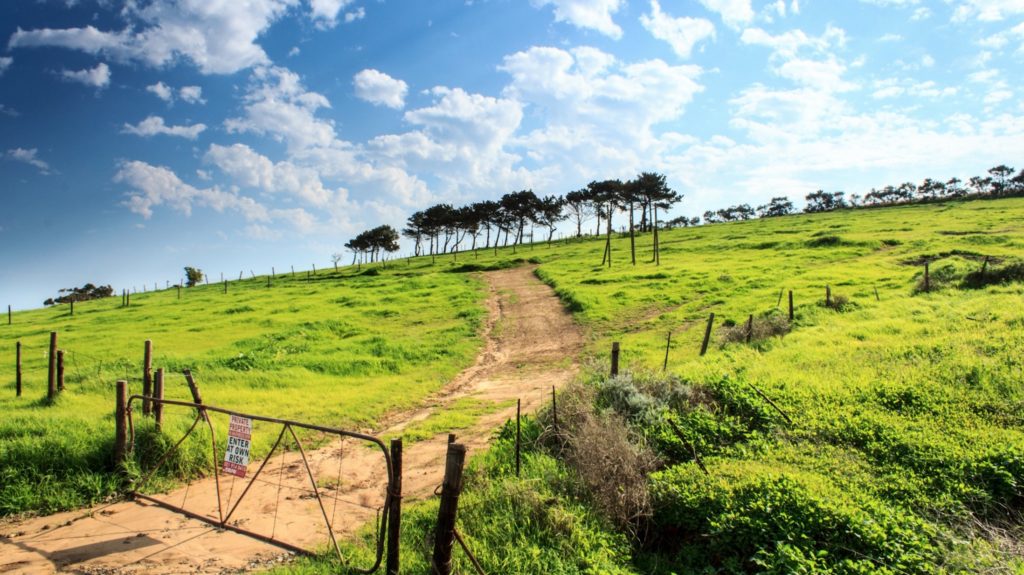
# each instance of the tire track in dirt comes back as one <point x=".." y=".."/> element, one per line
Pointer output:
<point x="531" y="344"/>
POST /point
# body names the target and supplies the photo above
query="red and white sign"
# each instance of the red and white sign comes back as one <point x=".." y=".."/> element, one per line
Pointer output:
<point x="236" y="458"/>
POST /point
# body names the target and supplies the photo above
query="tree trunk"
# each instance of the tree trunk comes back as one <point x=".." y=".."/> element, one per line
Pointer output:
<point x="632" y="238"/>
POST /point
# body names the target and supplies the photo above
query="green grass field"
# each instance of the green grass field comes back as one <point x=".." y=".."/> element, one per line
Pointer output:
<point x="905" y="453"/>
<point x="341" y="349"/>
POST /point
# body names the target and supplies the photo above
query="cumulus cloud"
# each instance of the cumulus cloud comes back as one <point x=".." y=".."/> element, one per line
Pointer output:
<point x="29" y="156"/>
<point x="681" y="33"/>
<point x="380" y="89"/>
<point x="988" y="10"/>
<point x="357" y="14"/>
<point x="5" y="63"/>
<point x="254" y="170"/>
<point x="152" y="186"/>
<point x="191" y="94"/>
<point x="325" y="12"/>
<point x="278" y="105"/>
<point x="162" y="91"/>
<point x="217" y="37"/>
<point x="98" y="77"/>
<point x="735" y="13"/>
<point x="154" y="126"/>
<point x="589" y="14"/>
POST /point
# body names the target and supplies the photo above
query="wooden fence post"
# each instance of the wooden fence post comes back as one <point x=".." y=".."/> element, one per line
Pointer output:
<point x="707" y="334"/>
<point x="194" y="388"/>
<point x="9" y="313"/>
<point x="876" y="294"/>
<point x="17" y="370"/>
<point x="451" y="438"/>
<point x="615" y="358"/>
<point x="158" y="393"/>
<point x="519" y="435"/>
<point x="446" y="514"/>
<point x="60" y="370"/>
<point x="121" y="424"/>
<point x="668" y="343"/>
<point x="554" y="409"/>
<point x="72" y="311"/>
<point x="778" y="303"/>
<point x="790" y="305"/>
<point x="51" y="382"/>
<point x="828" y="296"/>
<point x="179" y="290"/>
<point x="147" y="375"/>
<point x="750" y="327"/>
<point x="927" y="278"/>
<point x="395" y="512"/>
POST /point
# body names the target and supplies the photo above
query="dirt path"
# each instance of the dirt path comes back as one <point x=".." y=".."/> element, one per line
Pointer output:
<point x="531" y="344"/>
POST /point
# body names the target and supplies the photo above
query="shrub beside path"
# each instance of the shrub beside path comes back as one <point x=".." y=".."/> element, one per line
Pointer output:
<point x="531" y="344"/>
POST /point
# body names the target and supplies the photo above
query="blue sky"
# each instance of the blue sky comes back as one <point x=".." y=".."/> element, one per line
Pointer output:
<point x="140" y="137"/>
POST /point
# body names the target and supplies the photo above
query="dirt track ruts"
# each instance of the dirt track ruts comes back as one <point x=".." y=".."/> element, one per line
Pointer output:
<point x="531" y="345"/>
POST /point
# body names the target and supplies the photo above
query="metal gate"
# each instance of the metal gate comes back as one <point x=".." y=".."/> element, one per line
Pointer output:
<point x="222" y="519"/>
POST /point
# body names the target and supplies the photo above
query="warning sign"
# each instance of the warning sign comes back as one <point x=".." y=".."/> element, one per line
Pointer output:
<point x="236" y="459"/>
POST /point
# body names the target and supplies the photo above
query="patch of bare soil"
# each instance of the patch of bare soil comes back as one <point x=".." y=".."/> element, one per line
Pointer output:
<point x="532" y="344"/>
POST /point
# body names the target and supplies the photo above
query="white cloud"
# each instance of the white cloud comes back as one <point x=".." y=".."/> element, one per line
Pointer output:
<point x="153" y="186"/>
<point x="191" y="94"/>
<point x="357" y="14"/>
<point x="988" y="10"/>
<point x="927" y="61"/>
<point x="278" y="105"/>
<point x="789" y="44"/>
<point x="217" y="37"/>
<point x="589" y="14"/>
<point x="922" y="13"/>
<point x="162" y="91"/>
<point x="154" y="125"/>
<point x="681" y="33"/>
<point x="5" y="63"/>
<point x="29" y="156"/>
<point x="325" y="12"/>
<point x="253" y="170"/>
<point x="380" y="89"/>
<point x="98" y="77"/>
<point x="898" y="3"/>
<point x="295" y="51"/>
<point x="735" y="13"/>
<point x="890" y="38"/>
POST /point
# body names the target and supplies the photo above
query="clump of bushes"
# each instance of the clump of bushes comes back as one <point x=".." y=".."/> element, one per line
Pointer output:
<point x="769" y="325"/>
<point x="1013" y="272"/>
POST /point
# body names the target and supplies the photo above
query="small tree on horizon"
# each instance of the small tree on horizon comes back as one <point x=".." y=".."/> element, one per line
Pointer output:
<point x="193" y="276"/>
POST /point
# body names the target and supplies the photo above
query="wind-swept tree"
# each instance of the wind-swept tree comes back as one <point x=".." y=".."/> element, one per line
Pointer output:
<point x="821" y="201"/>
<point x="579" y="208"/>
<point x="549" y="214"/>
<point x="605" y="194"/>
<point x="1001" y="174"/>
<point x="415" y="229"/>
<point x="779" y="206"/>
<point x="653" y="189"/>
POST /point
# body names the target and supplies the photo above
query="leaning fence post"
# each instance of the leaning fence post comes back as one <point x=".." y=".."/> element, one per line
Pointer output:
<point x="121" y="424"/>
<point x="60" y="370"/>
<point x="668" y="344"/>
<point x="750" y="327"/>
<point x="395" y="512"/>
<point x="147" y="375"/>
<point x="519" y="435"/>
<point x="790" y="305"/>
<point x="51" y="382"/>
<point x="194" y="388"/>
<point x="876" y="294"/>
<point x="158" y="394"/>
<point x="446" y="514"/>
<point x="17" y="370"/>
<point x="828" y="296"/>
<point x="615" y="358"/>
<point x="927" y="278"/>
<point x="707" y="334"/>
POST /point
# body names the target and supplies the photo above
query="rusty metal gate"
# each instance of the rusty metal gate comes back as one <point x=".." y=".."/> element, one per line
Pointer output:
<point x="225" y="513"/>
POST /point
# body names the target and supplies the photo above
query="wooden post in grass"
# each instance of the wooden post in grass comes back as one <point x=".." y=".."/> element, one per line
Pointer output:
<point x="273" y="272"/>
<point x="790" y="305"/>
<point x="876" y="294"/>
<point x="395" y="510"/>
<point x="241" y="273"/>
<point x="51" y="381"/>
<point x="778" y="303"/>
<point x="293" y="271"/>
<point x="194" y="388"/>
<point x="60" y="370"/>
<point x="158" y="394"/>
<point x="451" y="438"/>
<point x="314" y="269"/>
<point x="828" y="296"/>
<point x="984" y="267"/>
<point x="554" y="409"/>
<point x="615" y="358"/>
<point x="72" y="312"/>
<point x="268" y="281"/>
<point x="225" y="287"/>
<point x="444" y="535"/>
<point x="9" y="313"/>
<point x="750" y="327"/>
<point x="927" y="278"/>
<point x="128" y="299"/>
<point x="707" y="334"/>
<point x="147" y="375"/>
<point x="121" y="424"/>
<point x="179" y="290"/>
<point x="668" y="343"/>
<point x="519" y="435"/>
<point x="17" y="369"/>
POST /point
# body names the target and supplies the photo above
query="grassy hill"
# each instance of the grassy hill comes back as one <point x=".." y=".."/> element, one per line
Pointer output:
<point x="903" y="451"/>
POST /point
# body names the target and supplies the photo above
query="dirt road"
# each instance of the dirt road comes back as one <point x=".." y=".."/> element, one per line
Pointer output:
<point x="531" y="344"/>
